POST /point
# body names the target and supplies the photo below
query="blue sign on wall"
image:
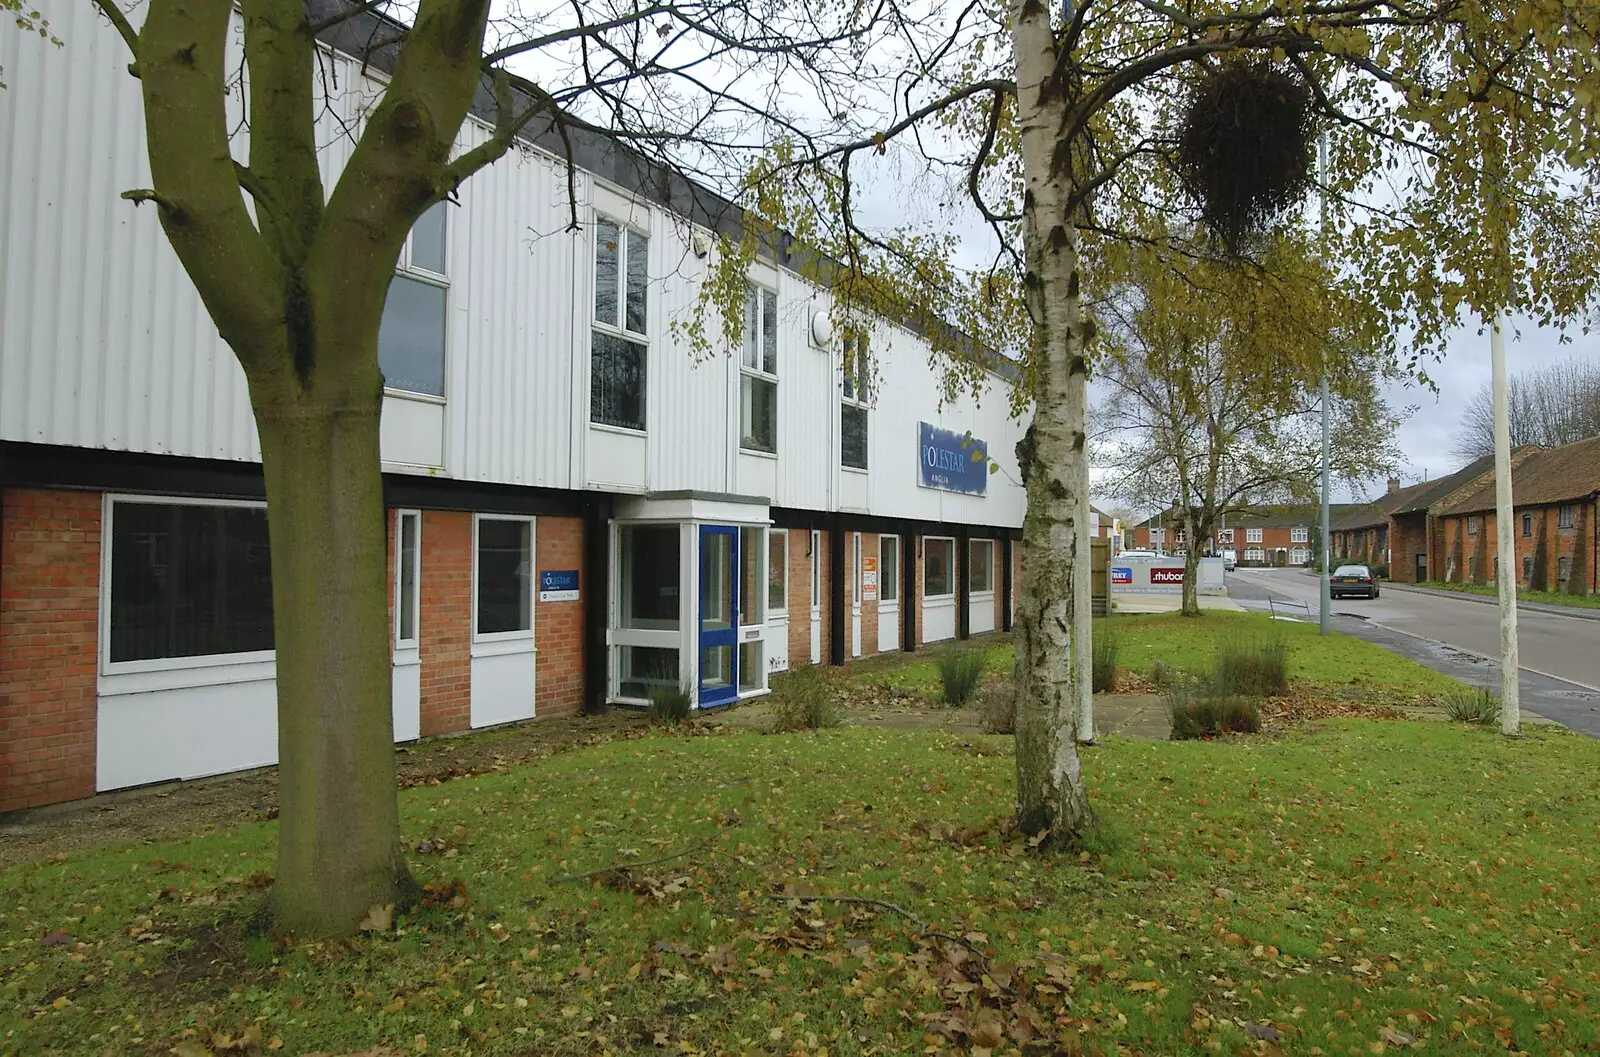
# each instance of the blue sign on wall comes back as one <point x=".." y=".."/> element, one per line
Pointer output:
<point x="953" y="462"/>
<point x="558" y="585"/>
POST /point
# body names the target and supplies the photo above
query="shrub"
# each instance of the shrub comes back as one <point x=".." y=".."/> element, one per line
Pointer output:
<point x="1380" y="570"/>
<point x="999" y="708"/>
<point x="959" y="674"/>
<point x="670" y="705"/>
<point x="1199" y="713"/>
<point x="1161" y="675"/>
<point x="1475" y="704"/>
<point x="803" y="700"/>
<point x="1252" y="667"/>
<point x="1104" y="661"/>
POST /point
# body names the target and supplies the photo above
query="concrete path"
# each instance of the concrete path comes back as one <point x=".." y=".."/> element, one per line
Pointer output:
<point x="1560" y="655"/>
<point x="1131" y="603"/>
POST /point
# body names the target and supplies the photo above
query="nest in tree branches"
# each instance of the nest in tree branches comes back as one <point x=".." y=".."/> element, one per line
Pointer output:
<point x="1245" y="147"/>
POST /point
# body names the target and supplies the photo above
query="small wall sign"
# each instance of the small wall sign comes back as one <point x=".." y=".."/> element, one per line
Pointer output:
<point x="869" y="579"/>
<point x="951" y="462"/>
<point x="558" y="585"/>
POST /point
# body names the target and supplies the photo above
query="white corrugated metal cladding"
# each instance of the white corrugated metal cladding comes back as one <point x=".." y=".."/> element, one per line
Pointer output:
<point x="104" y="344"/>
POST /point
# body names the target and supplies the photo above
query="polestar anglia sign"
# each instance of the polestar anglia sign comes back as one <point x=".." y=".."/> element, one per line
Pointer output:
<point x="952" y="462"/>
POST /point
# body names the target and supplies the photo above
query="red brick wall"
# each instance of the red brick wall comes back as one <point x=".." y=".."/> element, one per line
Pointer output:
<point x="799" y="598"/>
<point x="1408" y="537"/>
<point x="446" y="621"/>
<point x="49" y="639"/>
<point x="558" y="626"/>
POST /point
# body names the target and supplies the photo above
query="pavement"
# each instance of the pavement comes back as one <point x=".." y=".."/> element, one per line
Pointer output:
<point x="1167" y="603"/>
<point x="1559" y="653"/>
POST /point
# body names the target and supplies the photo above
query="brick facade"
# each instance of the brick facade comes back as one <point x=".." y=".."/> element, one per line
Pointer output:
<point x="869" y="608"/>
<point x="445" y="622"/>
<point x="49" y="645"/>
<point x="799" y="598"/>
<point x="558" y="626"/>
<point x="1544" y="522"/>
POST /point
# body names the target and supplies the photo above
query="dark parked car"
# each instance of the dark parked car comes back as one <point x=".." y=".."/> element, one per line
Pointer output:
<point x="1353" y="580"/>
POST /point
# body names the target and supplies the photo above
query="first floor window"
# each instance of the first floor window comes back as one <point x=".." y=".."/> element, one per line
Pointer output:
<point x="1225" y="536"/>
<point x="1252" y="535"/>
<point x="1472" y="526"/>
<point x="1527" y="524"/>
<point x="1299" y="535"/>
<point x="758" y="372"/>
<point x="411" y="336"/>
<point x="1158" y="537"/>
<point x="888" y="568"/>
<point x="504" y="575"/>
<point x="980" y="569"/>
<point x="407" y="546"/>
<point x="938" y="567"/>
<point x="1181" y="537"/>
<point x="853" y="436"/>
<point x="188" y="580"/>
<point x="616" y="381"/>
<point x="1564" y="518"/>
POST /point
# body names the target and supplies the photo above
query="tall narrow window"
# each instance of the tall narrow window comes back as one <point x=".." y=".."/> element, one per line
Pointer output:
<point x="777" y="571"/>
<point x="619" y="348"/>
<point x="888" y="568"/>
<point x="980" y="566"/>
<point x="853" y="402"/>
<point x="504" y="585"/>
<point x="1527" y="524"/>
<point x="188" y="580"/>
<point x="407" y="548"/>
<point x="758" y="372"/>
<point x="1564" y="518"/>
<point x="816" y="568"/>
<point x="412" y="332"/>
<point x="752" y="599"/>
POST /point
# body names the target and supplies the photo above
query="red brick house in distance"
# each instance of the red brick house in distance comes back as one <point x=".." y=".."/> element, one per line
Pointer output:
<point x="1272" y="535"/>
<point x="1556" y="499"/>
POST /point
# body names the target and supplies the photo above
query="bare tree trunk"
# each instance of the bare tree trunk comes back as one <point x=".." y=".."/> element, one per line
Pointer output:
<point x="1191" y="569"/>
<point x="339" y="831"/>
<point x="1053" y="617"/>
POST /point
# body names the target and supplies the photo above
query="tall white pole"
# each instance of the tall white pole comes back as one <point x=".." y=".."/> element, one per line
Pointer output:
<point x="1505" y="538"/>
<point x="1325" y="607"/>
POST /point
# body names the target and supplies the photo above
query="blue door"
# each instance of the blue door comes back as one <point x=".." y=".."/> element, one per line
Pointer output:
<point x="719" y="615"/>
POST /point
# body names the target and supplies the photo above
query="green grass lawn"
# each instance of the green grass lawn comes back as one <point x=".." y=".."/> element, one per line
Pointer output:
<point x="1554" y="598"/>
<point x="1336" y="663"/>
<point x="1335" y="891"/>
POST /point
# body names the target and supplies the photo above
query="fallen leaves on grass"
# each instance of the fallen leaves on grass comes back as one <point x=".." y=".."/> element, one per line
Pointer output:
<point x="380" y="918"/>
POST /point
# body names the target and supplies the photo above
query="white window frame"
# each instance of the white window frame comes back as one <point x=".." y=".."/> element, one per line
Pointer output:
<point x="1158" y="537"/>
<point x="109" y="667"/>
<point x="950" y="575"/>
<point x="816" y="568"/>
<point x="1566" y="517"/>
<point x="972" y="546"/>
<point x="400" y="518"/>
<point x="774" y="534"/>
<point x="894" y="581"/>
<point x="1300" y="535"/>
<point x="1299" y="556"/>
<point x="618" y="327"/>
<point x="855" y="569"/>
<point x="404" y="267"/>
<point x="533" y="580"/>
<point x="1180" y="538"/>
<point x="1225" y="536"/>
<point x="1252" y="535"/>
<point x="860" y="395"/>
<point x="751" y="375"/>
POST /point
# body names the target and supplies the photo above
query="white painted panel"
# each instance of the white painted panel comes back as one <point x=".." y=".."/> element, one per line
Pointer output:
<point x="412" y="432"/>
<point x="407" y="696"/>
<point x="502" y="683"/>
<point x="185" y="733"/>
<point x="855" y="491"/>
<point x="616" y="460"/>
<point x="980" y="612"/>
<point x="938" y="619"/>
<point x="888" y="626"/>
<point x="758" y="476"/>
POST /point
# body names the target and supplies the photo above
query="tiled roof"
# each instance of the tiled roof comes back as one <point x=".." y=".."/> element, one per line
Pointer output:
<point x="1430" y="492"/>
<point x="1556" y="475"/>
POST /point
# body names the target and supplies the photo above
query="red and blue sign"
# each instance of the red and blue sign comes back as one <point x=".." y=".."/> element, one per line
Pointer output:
<point x="1121" y="574"/>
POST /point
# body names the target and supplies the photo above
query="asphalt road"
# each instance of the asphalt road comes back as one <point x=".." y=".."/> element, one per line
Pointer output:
<point x="1559" y="655"/>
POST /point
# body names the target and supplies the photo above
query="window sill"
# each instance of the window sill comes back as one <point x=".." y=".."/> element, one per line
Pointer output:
<point x="233" y="670"/>
<point x="758" y="453"/>
<point x="503" y="644"/>
<point x="621" y="431"/>
<point x="415" y="397"/>
<point x="951" y="598"/>
<point x="862" y="470"/>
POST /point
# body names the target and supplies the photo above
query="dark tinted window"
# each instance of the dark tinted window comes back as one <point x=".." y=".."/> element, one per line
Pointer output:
<point x="189" y="581"/>
<point x="505" y="576"/>
<point x="616" y="382"/>
<point x="853" y="436"/>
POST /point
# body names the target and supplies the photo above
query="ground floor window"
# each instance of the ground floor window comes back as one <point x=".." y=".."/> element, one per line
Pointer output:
<point x="407" y="581"/>
<point x="778" y="571"/>
<point x="503" y="576"/>
<point x="1255" y="554"/>
<point x="190" y="579"/>
<point x="938" y="567"/>
<point x="1564" y="568"/>
<point x="1527" y="567"/>
<point x="1299" y="556"/>
<point x="650" y="576"/>
<point x="752" y="668"/>
<point x="888" y="568"/>
<point x="646" y="670"/>
<point x="980" y="566"/>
